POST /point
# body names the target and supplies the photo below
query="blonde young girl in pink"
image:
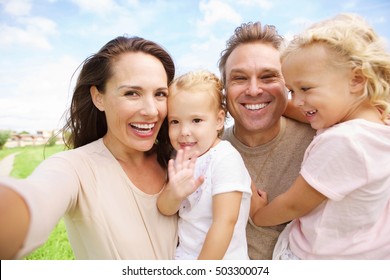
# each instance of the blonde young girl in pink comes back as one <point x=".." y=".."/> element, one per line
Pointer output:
<point x="210" y="192"/>
<point x="339" y="75"/>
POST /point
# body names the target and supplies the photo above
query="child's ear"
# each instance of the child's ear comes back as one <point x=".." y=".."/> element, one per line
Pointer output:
<point x="358" y="81"/>
<point x="221" y="119"/>
<point x="97" y="98"/>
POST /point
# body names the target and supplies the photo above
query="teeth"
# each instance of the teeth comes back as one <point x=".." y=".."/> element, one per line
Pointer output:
<point x="310" y="113"/>
<point x="255" y="106"/>
<point x="143" y="126"/>
<point x="187" y="144"/>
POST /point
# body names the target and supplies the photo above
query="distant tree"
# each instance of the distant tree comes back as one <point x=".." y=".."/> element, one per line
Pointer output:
<point x="4" y="136"/>
<point x="52" y="140"/>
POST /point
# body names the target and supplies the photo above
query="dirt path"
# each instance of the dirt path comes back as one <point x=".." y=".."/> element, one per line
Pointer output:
<point x="6" y="164"/>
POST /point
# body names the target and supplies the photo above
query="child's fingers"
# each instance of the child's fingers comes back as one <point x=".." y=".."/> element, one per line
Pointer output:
<point x="199" y="181"/>
<point x="171" y="168"/>
<point x="262" y="194"/>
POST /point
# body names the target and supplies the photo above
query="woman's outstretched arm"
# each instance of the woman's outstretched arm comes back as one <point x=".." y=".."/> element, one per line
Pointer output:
<point x="14" y="222"/>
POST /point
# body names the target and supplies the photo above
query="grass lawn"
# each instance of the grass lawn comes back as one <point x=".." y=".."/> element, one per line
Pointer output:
<point x="57" y="247"/>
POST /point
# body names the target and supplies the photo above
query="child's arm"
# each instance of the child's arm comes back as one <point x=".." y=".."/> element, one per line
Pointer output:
<point x="181" y="183"/>
<point x="226" y="208"/>
<point x="258" y="200"/>
<point x="296" y="202"/>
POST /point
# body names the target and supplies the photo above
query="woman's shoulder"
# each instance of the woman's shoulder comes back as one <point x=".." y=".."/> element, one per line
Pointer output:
<point x="84" y="152"/>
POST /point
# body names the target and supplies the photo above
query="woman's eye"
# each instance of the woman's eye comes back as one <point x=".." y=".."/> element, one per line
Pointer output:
<point x="162" y="94"/>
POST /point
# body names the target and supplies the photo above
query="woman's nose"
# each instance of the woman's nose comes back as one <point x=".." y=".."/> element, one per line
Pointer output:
<point x="150" y="107"/>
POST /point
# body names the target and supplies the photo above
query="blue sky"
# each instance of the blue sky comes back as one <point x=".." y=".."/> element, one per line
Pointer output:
<point x="42" y="42"/>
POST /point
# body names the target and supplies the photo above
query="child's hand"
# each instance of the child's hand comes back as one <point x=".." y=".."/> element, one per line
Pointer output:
<point x="259" y="200"/>
<point x="181" y="174"/>
<point x="387" y="120"/>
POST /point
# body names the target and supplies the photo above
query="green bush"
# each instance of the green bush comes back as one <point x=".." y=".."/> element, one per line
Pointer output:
<point x="4" y="136"/>
<point x="52" y="140"/>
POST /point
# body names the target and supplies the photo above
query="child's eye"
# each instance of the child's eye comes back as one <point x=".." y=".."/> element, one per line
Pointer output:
<point x="173" y="122"/>
<point x="197" y="120"/>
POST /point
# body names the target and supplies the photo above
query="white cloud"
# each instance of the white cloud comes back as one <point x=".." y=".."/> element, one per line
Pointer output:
<point x="301" y="22"/>
<point x="37" y="95"/>
<point x="23" y="29"/>
<point x="380" y="19"/>
<point x="116" y="19"/>
<point x="213" y="12"/>
<point x="39" y="25"/>
<point x="34" y="32"/>
<point x="202" y="55"/>
<point x="133" y="2"/>
<point x="264" y="4"/>
<point x="17" y="7"/>
<point x="100" y="7"/>
<point x="349" y="4"/>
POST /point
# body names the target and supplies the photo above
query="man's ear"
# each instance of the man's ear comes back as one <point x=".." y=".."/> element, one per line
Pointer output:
<point x="358" y="81"/>
<point x="97" y="98"/>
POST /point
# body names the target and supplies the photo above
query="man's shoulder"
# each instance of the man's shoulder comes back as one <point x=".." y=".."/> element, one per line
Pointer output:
<point x="298" y="134"/>
<point x="227" y="133"/>
<point x="297" y="127"/>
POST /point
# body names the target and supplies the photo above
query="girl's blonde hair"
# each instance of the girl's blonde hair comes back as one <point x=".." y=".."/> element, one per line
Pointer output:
<point x="201" y="81"/>
<point x="356" y="45"/>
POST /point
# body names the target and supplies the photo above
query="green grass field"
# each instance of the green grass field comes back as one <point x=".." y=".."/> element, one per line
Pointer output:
<point x="57" y="246"/>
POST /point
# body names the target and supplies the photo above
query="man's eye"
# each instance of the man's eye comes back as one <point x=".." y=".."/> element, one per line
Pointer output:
<point x="268" y="78"/>
<point x="131" y="93"/>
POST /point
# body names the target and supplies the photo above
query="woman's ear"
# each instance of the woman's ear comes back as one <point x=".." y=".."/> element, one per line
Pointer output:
<point x="97" y="98"/>
<point x="358" y="81"/>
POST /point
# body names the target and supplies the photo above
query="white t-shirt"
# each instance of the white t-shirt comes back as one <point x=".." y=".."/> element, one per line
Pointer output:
<point x="106" y="215"/>
<point x="224" y="171"/>
<point x="349" y="163"/>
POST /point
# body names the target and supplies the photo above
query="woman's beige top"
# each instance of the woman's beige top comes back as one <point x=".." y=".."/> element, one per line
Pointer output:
<point x="106" y="216"/>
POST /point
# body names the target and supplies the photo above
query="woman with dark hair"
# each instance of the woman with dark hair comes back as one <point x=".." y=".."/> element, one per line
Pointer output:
<point x="107" y="184"/>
